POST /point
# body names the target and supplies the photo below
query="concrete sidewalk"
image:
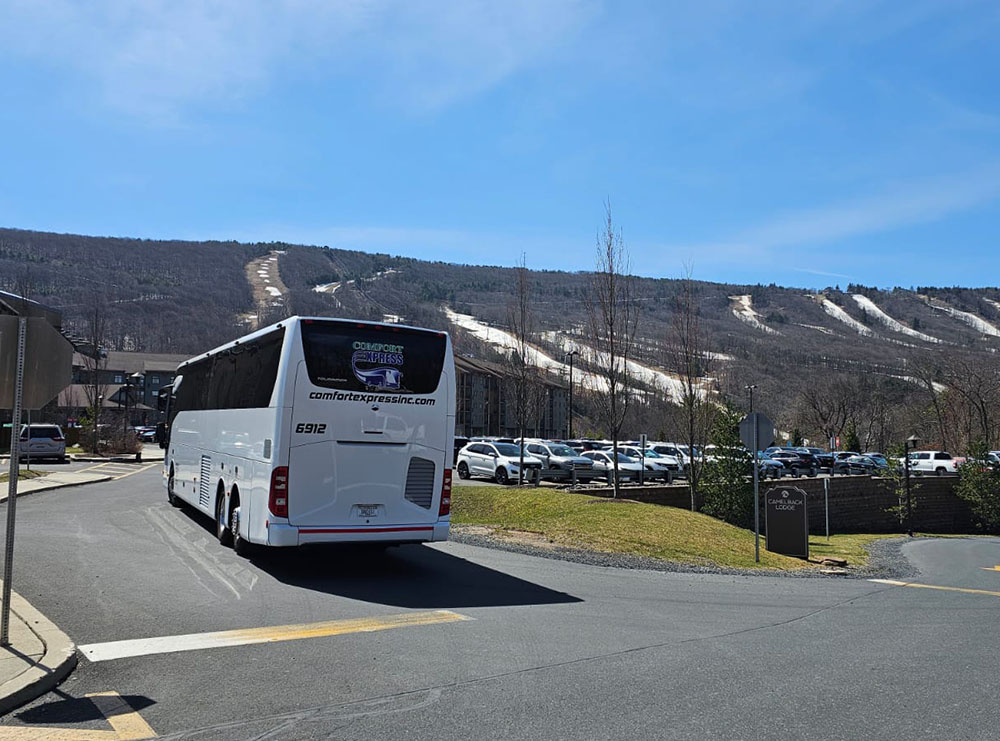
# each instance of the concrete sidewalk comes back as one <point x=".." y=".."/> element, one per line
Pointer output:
<point x="38" y="658"/>
<point x="54" y="480"/>
<point x="150" y="454"/>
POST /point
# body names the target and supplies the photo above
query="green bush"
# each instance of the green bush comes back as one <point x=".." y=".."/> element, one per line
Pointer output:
<point x="726" y="480"/>
<point x="979" y="485"/>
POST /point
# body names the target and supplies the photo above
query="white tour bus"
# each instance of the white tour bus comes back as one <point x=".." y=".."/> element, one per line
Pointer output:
<point x="317" y="430"/>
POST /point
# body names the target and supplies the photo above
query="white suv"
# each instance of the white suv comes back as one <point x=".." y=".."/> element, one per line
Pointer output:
<point x="932" y="461"/>
<point x="42" y="441"/>
<point x="498" y="461"/>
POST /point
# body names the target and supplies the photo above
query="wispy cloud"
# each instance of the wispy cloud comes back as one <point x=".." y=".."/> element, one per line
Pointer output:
<point x="916" y="202"/>
<point x="155" y="58"/>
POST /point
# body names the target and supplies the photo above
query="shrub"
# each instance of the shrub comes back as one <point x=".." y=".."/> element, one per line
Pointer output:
<point x="979" y="485"/>
<point x="726" y="480"/>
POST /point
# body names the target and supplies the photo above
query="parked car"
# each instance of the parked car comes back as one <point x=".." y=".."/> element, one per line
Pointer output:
<point x="796" y="463"/>
<point x="146" y="434"/>
<point x="498" y="461"/>
<point x="937" y="462"/>
<point x="560" y="457"/>
<point x="878" y="458"/>
<point x="768" y="467"/>
<point x="41" y="441"/>
<point x="628" y="468"/>
<point x="993" y="459"/>
<point x="860" y="465"/>
<point x="652" y="460"/>
<point x="674" y="450"/>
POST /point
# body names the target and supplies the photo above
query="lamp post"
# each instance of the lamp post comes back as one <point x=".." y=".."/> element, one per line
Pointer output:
<point x="756" y="480"/>
<point x="570" y="355"/>
<point x="135" y="379"/>
<point x="911" y="440"/>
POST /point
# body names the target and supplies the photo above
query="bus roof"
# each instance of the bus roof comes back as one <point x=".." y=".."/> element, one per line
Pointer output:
<point x="295" y="319"/>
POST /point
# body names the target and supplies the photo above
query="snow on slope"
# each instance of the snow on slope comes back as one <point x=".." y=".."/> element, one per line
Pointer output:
<point x="507" y="343"/>
<point x="991" y="302"/>
<point x="872" y="308"/>
<point x="842" y="316"/>
<point x="976" y="322"/>
<point x="667" y="383"/>
<point x="744" y="311"/>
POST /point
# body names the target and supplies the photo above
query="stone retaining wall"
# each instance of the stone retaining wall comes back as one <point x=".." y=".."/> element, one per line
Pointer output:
<point x="857" y="503"/>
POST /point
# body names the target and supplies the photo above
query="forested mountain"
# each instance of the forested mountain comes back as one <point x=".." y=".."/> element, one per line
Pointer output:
<point x="876" y="360"/>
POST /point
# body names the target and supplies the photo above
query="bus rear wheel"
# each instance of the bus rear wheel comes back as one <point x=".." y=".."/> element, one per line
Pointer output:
<point x="222" y="531"/>
<point x="171" y="497"/>
<point x="241" y="546"/>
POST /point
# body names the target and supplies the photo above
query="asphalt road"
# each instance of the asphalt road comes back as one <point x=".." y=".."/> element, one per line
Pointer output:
<point x="547" y="649"/>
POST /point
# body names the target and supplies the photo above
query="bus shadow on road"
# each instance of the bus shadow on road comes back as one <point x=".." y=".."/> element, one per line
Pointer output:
<point x="408" y="576"/>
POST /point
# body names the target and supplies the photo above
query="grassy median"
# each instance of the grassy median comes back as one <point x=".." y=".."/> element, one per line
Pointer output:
<point x="623" y="526"/>
<point x="22" y="473"/>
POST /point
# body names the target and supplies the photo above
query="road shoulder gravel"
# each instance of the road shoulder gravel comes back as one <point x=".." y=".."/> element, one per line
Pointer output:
<point x="885" y="557"/>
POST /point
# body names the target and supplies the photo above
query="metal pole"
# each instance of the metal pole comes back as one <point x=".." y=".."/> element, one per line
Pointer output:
<point x="906" y="466"/>
<point x="826" y="499"/>
<point x="756" y="494"/>
<point x="571" y="396"/>
<point x="27" y="456"/>
<point x="15" y="437"/>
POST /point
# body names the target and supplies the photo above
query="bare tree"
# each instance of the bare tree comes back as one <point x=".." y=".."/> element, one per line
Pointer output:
<point x="691" y="365"/>
<point x="95" y="362"/>
<point x="612" y="317"/>
<point x="522" y="373"/>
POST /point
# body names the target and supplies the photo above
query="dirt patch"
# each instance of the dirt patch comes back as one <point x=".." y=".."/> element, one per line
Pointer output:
<point x="269" y="292"/>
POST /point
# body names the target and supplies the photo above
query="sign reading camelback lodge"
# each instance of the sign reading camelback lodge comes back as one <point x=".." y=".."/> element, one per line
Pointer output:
<point x="787" y="521"/>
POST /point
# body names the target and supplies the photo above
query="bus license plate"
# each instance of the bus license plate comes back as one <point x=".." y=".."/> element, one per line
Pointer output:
<point x="368" y="510"/>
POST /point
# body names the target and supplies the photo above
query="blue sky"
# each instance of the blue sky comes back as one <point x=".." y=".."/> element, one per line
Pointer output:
<point x="804" y="144"/>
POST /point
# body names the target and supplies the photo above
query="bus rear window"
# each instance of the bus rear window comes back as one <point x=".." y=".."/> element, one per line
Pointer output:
<point x="351" y="357"/>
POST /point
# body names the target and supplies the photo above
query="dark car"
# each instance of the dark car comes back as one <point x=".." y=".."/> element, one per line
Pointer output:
<point x="796" y="463"/>
<point x="860" y="465"/>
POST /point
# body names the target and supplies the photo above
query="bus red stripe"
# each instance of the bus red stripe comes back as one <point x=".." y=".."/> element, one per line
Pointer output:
<point x="364" y="530"/>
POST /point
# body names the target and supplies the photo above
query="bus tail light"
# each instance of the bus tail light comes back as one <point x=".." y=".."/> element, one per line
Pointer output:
<point x="445" y="508"/>
<point x="277" y="500"/>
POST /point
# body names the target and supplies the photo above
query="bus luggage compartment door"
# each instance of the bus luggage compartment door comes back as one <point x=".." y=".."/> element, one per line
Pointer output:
<point x="348" y="484"/>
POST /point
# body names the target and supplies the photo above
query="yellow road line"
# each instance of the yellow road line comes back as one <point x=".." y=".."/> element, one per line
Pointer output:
<point x="128" y="725"/>
<point x="964" y="590"/>
<point x="125" y="722"/>
<point x="198" y="641"/>
<point x="133" y="473"/>
<point x="991" y="568"/>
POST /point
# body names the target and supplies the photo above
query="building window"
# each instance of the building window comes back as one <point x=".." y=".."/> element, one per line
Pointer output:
<point x="119" y="378"/>
<point x="155" y="380"/>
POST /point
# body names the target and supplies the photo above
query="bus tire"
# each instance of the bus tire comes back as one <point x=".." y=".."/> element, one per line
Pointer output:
<point x="221" y="528"/>
<point x="171" y="497"/>
<point x="501" y="476"/>
<point x="240" y="546"/>
<point x="463" y="470"/>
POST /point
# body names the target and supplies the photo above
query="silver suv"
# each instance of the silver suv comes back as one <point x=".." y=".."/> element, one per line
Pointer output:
<point x="499" y="461"/>
<point x="42" y="441"/>
<point x="561" y="457"/>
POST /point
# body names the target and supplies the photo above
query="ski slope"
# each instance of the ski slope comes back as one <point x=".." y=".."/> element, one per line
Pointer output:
<point x="872" y="308"/>
<point x="669" y="384"/>
<point x="842" y="316"/>
<point x="976" y="322"/>
<point x="744" y="311"/>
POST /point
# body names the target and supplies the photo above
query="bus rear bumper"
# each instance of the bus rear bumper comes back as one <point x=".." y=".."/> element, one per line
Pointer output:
<point x="281" y="535"/>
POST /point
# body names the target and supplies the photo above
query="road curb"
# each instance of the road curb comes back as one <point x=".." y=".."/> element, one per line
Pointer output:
<point x="112" y="459"/>
<point x="53" y="487"/>
<point x="55" y="664"/>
